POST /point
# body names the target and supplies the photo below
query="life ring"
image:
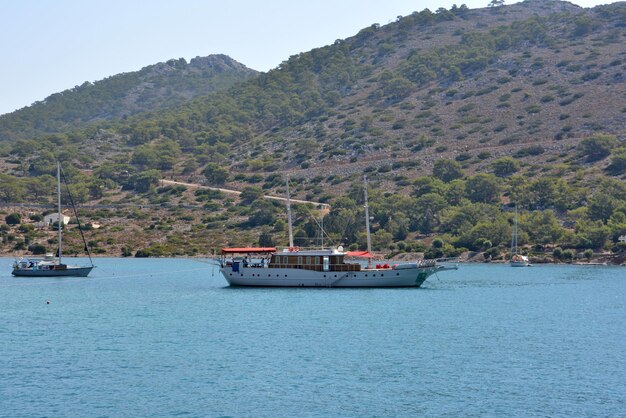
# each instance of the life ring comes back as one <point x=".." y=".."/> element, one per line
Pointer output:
<point x="294" y="249"/>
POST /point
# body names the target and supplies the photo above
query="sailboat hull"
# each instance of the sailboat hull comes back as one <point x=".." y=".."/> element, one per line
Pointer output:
<point x="68" y="272"/>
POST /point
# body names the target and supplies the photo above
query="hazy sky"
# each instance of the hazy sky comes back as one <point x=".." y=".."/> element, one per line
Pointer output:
<point x="51" y="45"/>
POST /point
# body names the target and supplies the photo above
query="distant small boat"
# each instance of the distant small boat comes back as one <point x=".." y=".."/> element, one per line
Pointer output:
<point x="517" y="260"/>
<point x="51" y="266"/>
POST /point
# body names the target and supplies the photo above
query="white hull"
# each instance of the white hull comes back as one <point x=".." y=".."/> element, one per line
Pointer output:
<point x="520" y="264"/>
<point x="292" y="277"/>
<point x="73" y="271"/>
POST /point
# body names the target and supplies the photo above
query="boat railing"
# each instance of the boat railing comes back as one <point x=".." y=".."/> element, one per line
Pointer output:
<point x="427" y="263"/>
<point x="264" y="263"/>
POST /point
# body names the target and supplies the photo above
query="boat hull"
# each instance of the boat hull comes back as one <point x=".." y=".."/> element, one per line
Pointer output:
<point x="288" y="277"/>
<point x="520" y="264"/>
<point x="69" y="272"/>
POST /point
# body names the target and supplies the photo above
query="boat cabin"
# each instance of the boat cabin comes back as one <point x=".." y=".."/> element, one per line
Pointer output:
<point x="313" y="260"/>
<point x="318" y="260"/>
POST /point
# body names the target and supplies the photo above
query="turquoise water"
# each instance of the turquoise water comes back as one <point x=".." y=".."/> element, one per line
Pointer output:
<point x="163" y="337"/>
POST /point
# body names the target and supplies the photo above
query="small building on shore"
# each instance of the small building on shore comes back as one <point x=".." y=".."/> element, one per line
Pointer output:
<point x="54" y="217"/>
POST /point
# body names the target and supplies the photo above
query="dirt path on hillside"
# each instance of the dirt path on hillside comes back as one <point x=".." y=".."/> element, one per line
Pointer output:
<point x="324" y="206"/>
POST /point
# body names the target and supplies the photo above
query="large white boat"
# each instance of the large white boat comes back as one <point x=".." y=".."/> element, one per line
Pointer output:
<point x="293" y="267"/>
<point x="51" y="266"/>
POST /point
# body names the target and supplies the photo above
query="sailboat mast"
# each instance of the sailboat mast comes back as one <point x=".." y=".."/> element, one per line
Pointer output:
<point x="514" y="240"/>
<point x="367" y="224"/>
<point x="289" y="217"/>
<point x="322" y="229"/>
<point x="59" y="208"/>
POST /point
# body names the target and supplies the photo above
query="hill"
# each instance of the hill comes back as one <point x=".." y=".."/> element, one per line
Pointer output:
<point x="454" y="115"/>
<point x="159" y="86"/>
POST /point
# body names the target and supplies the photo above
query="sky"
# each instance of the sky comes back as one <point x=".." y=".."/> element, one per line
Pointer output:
<point x="47" y="46"/>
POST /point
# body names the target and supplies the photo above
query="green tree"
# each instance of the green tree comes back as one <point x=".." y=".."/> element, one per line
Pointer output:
<point x="37" y="249"/>
<point x="250" y="194"/>
<point x="13" y="219"/>
<point x="592" y="234"/>
<point x="483" y="188"/>
<point x="543" y="227"/>
<point x="601" y="207"/>
<point x="447" y="170"/>
<point x="262" y="213"/>
<point x="215" y="174"/>
<point x="505" y="166"/>
<point x="144" y="181"/>
<point x="426" y="213"/>
<point x="424" y="185"/>
<point x="265" y="239"/>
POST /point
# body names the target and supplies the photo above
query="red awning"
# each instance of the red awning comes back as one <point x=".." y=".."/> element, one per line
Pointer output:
<point x="248" y="250"/>
<point x="361" y="254"/>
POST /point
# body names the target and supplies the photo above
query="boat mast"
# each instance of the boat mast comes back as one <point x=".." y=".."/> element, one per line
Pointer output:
<point x="322" y="229"/>
<point x="367" y="224"/>
<point x="289" y="216"/>
<point x="59" y="207"/>
<point x="514" y="240"/>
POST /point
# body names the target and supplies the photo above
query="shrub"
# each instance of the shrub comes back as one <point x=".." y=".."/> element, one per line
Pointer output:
<point x="532" y="150"/>
<point x="533" y="109"/>
<point x="26" y="228"/>
<point x="37" y="249"/>
<point x="505" y="166"/>
<point x="597" y="147"/>
<point x="142" y="253"/>
<point x="447" y="170"/>
<point x="618" y="163"/>
<point x="13" y="219"/>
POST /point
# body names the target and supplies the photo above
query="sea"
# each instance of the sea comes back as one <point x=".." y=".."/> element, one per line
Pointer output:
<point x="168" y="337"/>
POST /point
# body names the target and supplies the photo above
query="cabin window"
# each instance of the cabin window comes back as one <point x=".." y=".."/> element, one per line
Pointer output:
<point x="308" y="260"/>
<point x="299" y="260"/>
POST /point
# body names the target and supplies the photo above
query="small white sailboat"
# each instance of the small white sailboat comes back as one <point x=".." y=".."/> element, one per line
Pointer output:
<point x="51" y="266"/>
<point x="517" y="260"/>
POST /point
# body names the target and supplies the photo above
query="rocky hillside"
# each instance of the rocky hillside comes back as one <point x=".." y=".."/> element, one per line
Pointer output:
<point x="155" y="87"/>
<point x="454" y="115"/>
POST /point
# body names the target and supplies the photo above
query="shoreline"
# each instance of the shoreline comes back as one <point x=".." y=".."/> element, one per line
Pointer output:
<point x="601" y="261"/>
